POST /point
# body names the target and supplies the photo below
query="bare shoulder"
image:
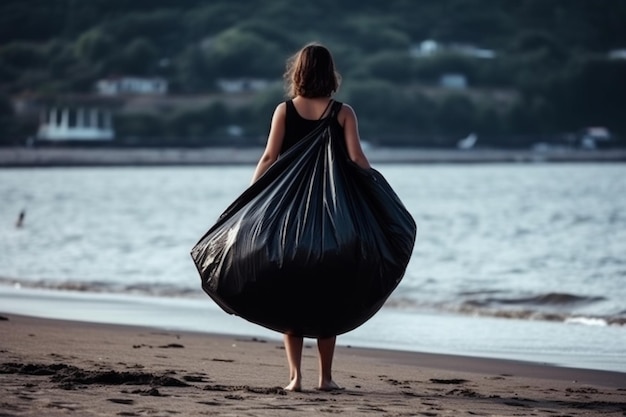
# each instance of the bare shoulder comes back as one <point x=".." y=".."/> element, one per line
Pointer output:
<point x="281" y="108"/>
<point x="280" y="112"/>
<point x="346" y="109"/>
<point x="346" y="113"/>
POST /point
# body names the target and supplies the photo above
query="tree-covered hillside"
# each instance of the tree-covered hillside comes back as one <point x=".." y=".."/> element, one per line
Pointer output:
<point x="531" y="67"/>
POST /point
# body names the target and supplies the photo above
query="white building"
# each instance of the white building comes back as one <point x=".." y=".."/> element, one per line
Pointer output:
<point x="425" y="48"/>
<point x="80" y="123"/>
<point x="453" y="81"/>
<point x="617" y="54"/>
<point x="473" y="51"/>
<point x="242" y="85"/>
<point x="131" y="85"/>
<point x="430" y="48"/>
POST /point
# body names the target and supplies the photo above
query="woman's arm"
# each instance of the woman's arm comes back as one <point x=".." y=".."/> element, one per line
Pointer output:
<point x="347" y="118"/>
<point x="274" y="142"/>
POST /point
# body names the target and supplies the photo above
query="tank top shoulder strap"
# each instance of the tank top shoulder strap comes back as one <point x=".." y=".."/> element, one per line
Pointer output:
<point x="335" y="109"/>
<point x="291" y="109"/>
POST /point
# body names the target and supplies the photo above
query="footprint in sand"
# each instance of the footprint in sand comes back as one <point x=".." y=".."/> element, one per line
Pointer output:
<point x="62" y="405"/>
<point x="211" y="403"/>
<point x="448" y="381"/>
<point x="152" y="392"/>
<point x="121" y="401"/>
<point x="194" y="378"/>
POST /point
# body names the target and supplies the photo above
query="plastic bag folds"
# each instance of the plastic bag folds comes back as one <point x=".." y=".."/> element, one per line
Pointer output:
<point x="314" y="247"/>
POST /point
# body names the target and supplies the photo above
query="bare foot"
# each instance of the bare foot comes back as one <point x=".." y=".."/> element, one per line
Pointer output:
<point x="329" y="386"/>
<point x="295" y="385"/>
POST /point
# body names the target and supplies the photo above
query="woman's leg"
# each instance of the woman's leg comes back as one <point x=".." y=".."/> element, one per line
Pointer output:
<point x="293" y="348"/>
<point x="326" y="348"/>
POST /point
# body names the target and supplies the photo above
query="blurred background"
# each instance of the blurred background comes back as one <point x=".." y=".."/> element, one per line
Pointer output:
<point x="430" y="73"/>
<point x="515" y="260"/>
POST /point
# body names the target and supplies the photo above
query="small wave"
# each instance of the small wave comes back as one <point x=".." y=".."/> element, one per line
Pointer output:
<point x="486" y="308"/>
<point x="479" y="292"/>
<point x="568" y="318"/>
<point x="549" y="299"/>
<point x="588" y="321"/>
<point x="526" y="314"/>
<point x="141" y="288"/>
<point x="471" y="309"/>
<point x="557" y="307"/>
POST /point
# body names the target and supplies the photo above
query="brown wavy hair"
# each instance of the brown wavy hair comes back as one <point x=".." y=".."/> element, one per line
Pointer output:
<point x="311" y="73"/>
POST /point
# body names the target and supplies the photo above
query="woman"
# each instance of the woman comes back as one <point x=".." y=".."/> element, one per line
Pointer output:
<point x="311" y="81"/>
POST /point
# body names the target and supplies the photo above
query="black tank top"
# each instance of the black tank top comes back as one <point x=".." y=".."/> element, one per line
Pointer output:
<point x="296" y="126"/>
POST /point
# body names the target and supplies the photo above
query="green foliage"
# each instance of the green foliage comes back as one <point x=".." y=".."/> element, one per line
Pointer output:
<point x="138" y="125"/>
<point x="23" y="66"/>
<point x="164" y="28"/>
<point x="456" y="115"/>
<point x="384" y="109"/>
<point x="424" y="112"/>
<point x="375" y="34"/>
<point x="7" y="120"/>
<point x="33" y="20"/>
<point x="94" y="45"/>
<point x="592" y="93"/>
<point x="59" y="57"/>
<point x="474" y="22"/>
<point x="550" y="57"/>
<point x="392" y="66"/>
<point x="531" y="41"/>
<point x="139" y="57"/>
<point x="256" y="118"/>
<point x="183" y="127"/>
<point x="429" y="70"/>
<point x="21" y="56"/>
<point x="213" y="18"/>
<point x="194" y="124"/>
<point x="240" y="53"/>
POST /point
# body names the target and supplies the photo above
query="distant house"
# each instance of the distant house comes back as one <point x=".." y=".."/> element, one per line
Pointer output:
<point x="472" y="51"/>
<point x="242" y="85"/>
<point x="617" y="54"/>
<point x="114" y="86"/>
<point x="595" y="137"/>
<point x="453" y="81"/>
<point x="425" y="48"/>
<point x="429" y="47"/>
<point x="468" y="142"/>
<point x="65" y="123"/>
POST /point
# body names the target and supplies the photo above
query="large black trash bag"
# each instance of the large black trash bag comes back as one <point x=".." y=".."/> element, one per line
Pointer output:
<point x="314" y="247"/>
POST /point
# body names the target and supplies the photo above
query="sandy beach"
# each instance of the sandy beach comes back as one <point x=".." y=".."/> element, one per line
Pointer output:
<point x="57" y="368"/>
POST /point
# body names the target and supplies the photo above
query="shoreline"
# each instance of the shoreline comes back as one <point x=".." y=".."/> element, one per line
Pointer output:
<point x="55" y="367"/>
<point x="79" y="157"/>
<point x="557" y="344"/>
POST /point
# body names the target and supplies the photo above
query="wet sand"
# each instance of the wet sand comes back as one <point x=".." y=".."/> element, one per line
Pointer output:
<point x="58" y="368"/>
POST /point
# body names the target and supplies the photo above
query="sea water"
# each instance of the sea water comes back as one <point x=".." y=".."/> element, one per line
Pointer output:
<point x="523" y="261"/>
